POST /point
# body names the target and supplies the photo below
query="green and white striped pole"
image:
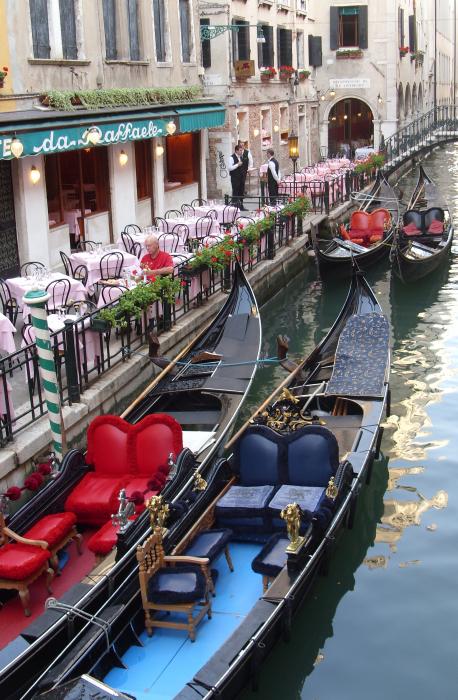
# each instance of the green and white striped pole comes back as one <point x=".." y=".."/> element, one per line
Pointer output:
<point x="37" y="299"/>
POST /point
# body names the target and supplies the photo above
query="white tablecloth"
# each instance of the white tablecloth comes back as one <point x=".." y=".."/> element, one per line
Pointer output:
<point x="6" y="335"/>
<point x="92" y="262"/>
<point x="231" y="212"/>
<point x="18" y="286"/>
<point x="363" y="152"/>
<point x="191" y="223"/>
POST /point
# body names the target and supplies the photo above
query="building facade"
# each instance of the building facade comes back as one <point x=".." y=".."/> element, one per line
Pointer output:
<point x="87" y="145"/>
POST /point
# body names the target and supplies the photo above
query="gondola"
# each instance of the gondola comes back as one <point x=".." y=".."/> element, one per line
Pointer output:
<point x="189" y="409"/>
<point x="302" y="458"/>
<point x="423" y="241"/>
<point x="368" y="237"/>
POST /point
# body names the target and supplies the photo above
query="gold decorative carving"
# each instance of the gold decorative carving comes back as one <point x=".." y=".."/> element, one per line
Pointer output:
<point x="286" y="395"/>
<point x="332" y="490"/>
<point x="158" y="512"/>
<point x="291" y="514"/>
<point x="199" y="482"/>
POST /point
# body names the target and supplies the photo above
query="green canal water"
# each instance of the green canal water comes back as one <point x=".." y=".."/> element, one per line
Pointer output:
<point x="383" y="622"/>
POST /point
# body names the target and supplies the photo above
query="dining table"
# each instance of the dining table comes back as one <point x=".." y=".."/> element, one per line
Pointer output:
<point x="194" y="227"/>
<point x="19" y="286"/>
<point x="6" y="335"/>
<point x="91" y="259"/>
<point x="225" y="213"/>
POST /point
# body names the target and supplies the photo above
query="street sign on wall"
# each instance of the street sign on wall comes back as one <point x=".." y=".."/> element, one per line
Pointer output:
<point x="349" y="83"/>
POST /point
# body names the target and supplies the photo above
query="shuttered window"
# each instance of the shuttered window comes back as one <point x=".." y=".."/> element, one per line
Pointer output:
<point x="284" y="47"/>
<point x="40" y="28"/>
<point x="401" y="26"/>
<point x="68" y="29"/>
<point x="160" y="30"/>
<point x="266" y="50"/>
<point x="185" y="26"/>
<point x="241" y="41"/>
<point x="348" y="27"/>
<point x="315" y="51"/>
<point x="412" y="33"/>
<point x="109" y="23"/>
<point x="206" y="47"/>
<point x="134" y="44"/>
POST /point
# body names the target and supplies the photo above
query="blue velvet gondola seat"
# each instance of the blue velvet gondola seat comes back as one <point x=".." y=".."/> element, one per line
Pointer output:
<point x="271" y="559"/>
<point x="210" y="544"/>
<point x="276" y="469"/>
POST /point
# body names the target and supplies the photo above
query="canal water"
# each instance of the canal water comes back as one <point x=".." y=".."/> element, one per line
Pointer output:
<point x="383" y="622"/>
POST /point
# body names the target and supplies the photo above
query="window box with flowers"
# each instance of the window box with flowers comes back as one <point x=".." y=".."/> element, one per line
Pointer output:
<point x="286" y="72"/>
<point x="418" y="57"/>
<point x="303" y="74"/>
<point x="349" y="53"/>
<point x="216" y="256"/>
<point x="403" y="51"/>
<point x="3" y="75"/>
<point x="268" y="72"/>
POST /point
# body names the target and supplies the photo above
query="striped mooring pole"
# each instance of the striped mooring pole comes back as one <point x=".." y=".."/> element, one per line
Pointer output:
<point x="37" y="299"/>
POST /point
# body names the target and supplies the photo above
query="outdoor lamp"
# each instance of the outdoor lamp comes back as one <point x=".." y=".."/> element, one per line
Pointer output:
<point x="171" y="127"/>
<point x="293" y="146"/>
<point x="16" y="147"/>
<point x="34" y="175"/>
<point x="379" y="99"/>
<point x="159" y="151"/>
<point x="276" y="127"/>
<point x="123" y="158"/>
<point x="332" y="93"/>
<point x="261" y="39"/>
<point x="255" y="132"/>
<point x="93" y="135"/>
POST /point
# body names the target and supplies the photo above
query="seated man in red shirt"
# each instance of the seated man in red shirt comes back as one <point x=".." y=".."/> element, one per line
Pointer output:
<point x="156" y="262"/>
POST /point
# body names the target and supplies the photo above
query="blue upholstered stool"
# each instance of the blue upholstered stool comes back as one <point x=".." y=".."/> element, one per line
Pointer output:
<point x="210" y="544"/>
<point x="271" y="559"/>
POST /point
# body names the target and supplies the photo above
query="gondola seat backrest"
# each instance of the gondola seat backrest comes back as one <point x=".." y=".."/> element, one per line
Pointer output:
<point x="368" y="227"/>
<point x="134" y="457"/>
<point x="313" y="456"/>
<point x="429" y="222"/>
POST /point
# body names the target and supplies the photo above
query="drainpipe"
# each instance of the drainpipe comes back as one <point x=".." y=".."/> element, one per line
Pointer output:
<point x="435" y="60"/>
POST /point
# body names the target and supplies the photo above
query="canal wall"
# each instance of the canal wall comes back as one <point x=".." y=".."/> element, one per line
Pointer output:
<point x="116" y="389"/>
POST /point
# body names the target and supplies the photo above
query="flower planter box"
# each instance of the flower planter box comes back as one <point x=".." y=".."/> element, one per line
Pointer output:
<point x="265" y="77"/>
<point x="349" y="54"/>
<point x="100" y="325"/>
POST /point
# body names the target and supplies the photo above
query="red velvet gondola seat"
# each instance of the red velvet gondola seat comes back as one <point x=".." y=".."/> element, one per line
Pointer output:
<point x="367" y="228"/>
<point x="127" y="456"/>
<point x="104" y="540"/>
<point x="57" y="529"/>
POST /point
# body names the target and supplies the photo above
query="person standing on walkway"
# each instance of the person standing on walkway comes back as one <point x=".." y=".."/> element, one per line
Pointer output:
<point x="237" y="177"/>
<point x="247" y="160"/>
<point x="273" y="176"/>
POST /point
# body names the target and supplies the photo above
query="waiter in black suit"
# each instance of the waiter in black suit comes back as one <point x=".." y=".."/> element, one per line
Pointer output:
<point x="247" y="160"/>
<point x="273" y="176"/>
<point x="236" y="171"/>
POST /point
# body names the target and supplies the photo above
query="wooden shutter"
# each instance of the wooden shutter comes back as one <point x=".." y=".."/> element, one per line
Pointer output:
<point x="241" y="41"/>
<point x="412" y="33"/>
<point x="334" y="28"/>
<point x="287" y="47"/>
<point x="268" y="46"/>
<point x="109" y="24"/>
<point x="159" y="29"/>
<point x="401" y="26"/>
<point x="206" y="48"/>
<point x="134" y="44"/>
<point x="279" y="63"/>
<point x="185" y="31"/>
<point x="362" y="27"/>
<point x="68" y="29"/>
<point x="315" y="51"/>
<point x="40" y="28"/>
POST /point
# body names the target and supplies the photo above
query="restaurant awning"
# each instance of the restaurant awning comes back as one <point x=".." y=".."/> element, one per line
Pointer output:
<point x="69" y="131"/>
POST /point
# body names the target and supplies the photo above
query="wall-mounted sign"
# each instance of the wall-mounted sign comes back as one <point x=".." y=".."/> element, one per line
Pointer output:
<point x="73" y="138"/>
<point x="243" y="69"/>
<point x="349" y="83"/>
<point x="212" y="79"/>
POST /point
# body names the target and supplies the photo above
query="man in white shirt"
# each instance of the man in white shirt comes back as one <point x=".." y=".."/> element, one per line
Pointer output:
<point x="273" y="176"/>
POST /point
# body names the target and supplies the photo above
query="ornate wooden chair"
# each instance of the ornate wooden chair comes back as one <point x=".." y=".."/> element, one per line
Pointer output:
<point x="177" y="584"/>
<point x="22" y="561"/>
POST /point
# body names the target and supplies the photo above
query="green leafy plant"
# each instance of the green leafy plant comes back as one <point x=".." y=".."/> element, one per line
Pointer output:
<point x="67" y="100"/>
<point x="376" y="160"/>
<point x="296" y="207"/>
<point x="132" y="303"/>
<point x="349" y="53"/>
<point x="3" y="72"/>
<point x="303" y="73"/>
<point x="215" y="256"/>
<point x="268" y="72"/>
<point x="286" y="71"/>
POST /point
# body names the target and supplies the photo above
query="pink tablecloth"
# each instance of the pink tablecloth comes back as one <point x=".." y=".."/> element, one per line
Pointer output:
<point x="18" y="286"/>
<point x="92" y="262"/>
<point x="224" y="213"/>
<point x="192" y="224"/>
<point x="6" y="335"/>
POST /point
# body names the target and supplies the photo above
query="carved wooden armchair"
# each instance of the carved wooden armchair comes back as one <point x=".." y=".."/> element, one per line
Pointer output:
<point x="172" y="584"/>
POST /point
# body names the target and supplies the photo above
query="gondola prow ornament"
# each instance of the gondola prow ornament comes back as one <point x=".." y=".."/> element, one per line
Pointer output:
<point x="158" y="512"/>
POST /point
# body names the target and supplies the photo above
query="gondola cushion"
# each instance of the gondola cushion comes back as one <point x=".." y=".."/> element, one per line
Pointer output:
<point x="178" y="585"/>
<point x="104" y="539"/>
<point x="52" y="528"/>
<point x="244" y="506"/>
<point x="313" y="456"/>
<point x="307" y="497"/>
<point x="95" y="498"/>
<point x="209" y="544"/>
<point x="418" y="222"/>
<point x="436" y="227"/>
<point x="19" y="561"/>
<point x="272" y="557"/>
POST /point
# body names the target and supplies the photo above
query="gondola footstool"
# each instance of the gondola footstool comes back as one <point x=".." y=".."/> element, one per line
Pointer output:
<point x="271" y="559"/>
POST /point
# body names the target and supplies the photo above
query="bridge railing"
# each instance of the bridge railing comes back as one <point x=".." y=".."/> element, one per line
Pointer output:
<point x="420" y="133"/>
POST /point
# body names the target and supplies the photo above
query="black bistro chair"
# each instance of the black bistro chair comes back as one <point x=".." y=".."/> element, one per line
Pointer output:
<point x="173" y="214"/>
<point x="77" y="272"/>
<point x="59" y="291"/>
<point x="161" y="224"/>
<point x="128" y="242"/>
<point x="203" y="227"/>
<point x="188" y="210"/>
<point x="230" y="214"/>
<point x="31" y="357"/>
<point x="132" y="229"/>
<point x="86" y="246"/>
<point x="111" y="265"/>
<point x="199" y="202"/>
<point x="182" y="231"/>
<point x="9" y="305"/>
<point x="29" y="268"/>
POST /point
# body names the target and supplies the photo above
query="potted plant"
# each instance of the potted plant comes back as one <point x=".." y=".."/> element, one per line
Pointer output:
<point x="296" y="207"/>
<point x="215" y="256"/>
<point x="417" y="56"/>
<point x="303" y="74"/>
<point x="268" y="72"/>
<point x="286" y="72"/>
<point x="349" y="53"/>
<point x="3" y="74"/>
<point x="132" y="303"/>
<point x="376" y="160"/>
<point x="403" y="51"/>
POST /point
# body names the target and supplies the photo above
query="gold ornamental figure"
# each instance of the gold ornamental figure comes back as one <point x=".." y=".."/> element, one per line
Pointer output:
<point x="158" y="512"/>
<point x="291" y="514"/>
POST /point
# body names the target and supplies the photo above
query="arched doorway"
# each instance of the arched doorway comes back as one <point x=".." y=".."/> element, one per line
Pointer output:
<point x="350" y="126"/>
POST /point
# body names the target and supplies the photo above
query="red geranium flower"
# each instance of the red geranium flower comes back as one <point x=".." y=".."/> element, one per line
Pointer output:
<point x="183" y="283"/>
<point x="214" y="259"/>
<point x="5" y="68"/>
<point x="227" y="253"/>
<point x="241" y="227"/>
